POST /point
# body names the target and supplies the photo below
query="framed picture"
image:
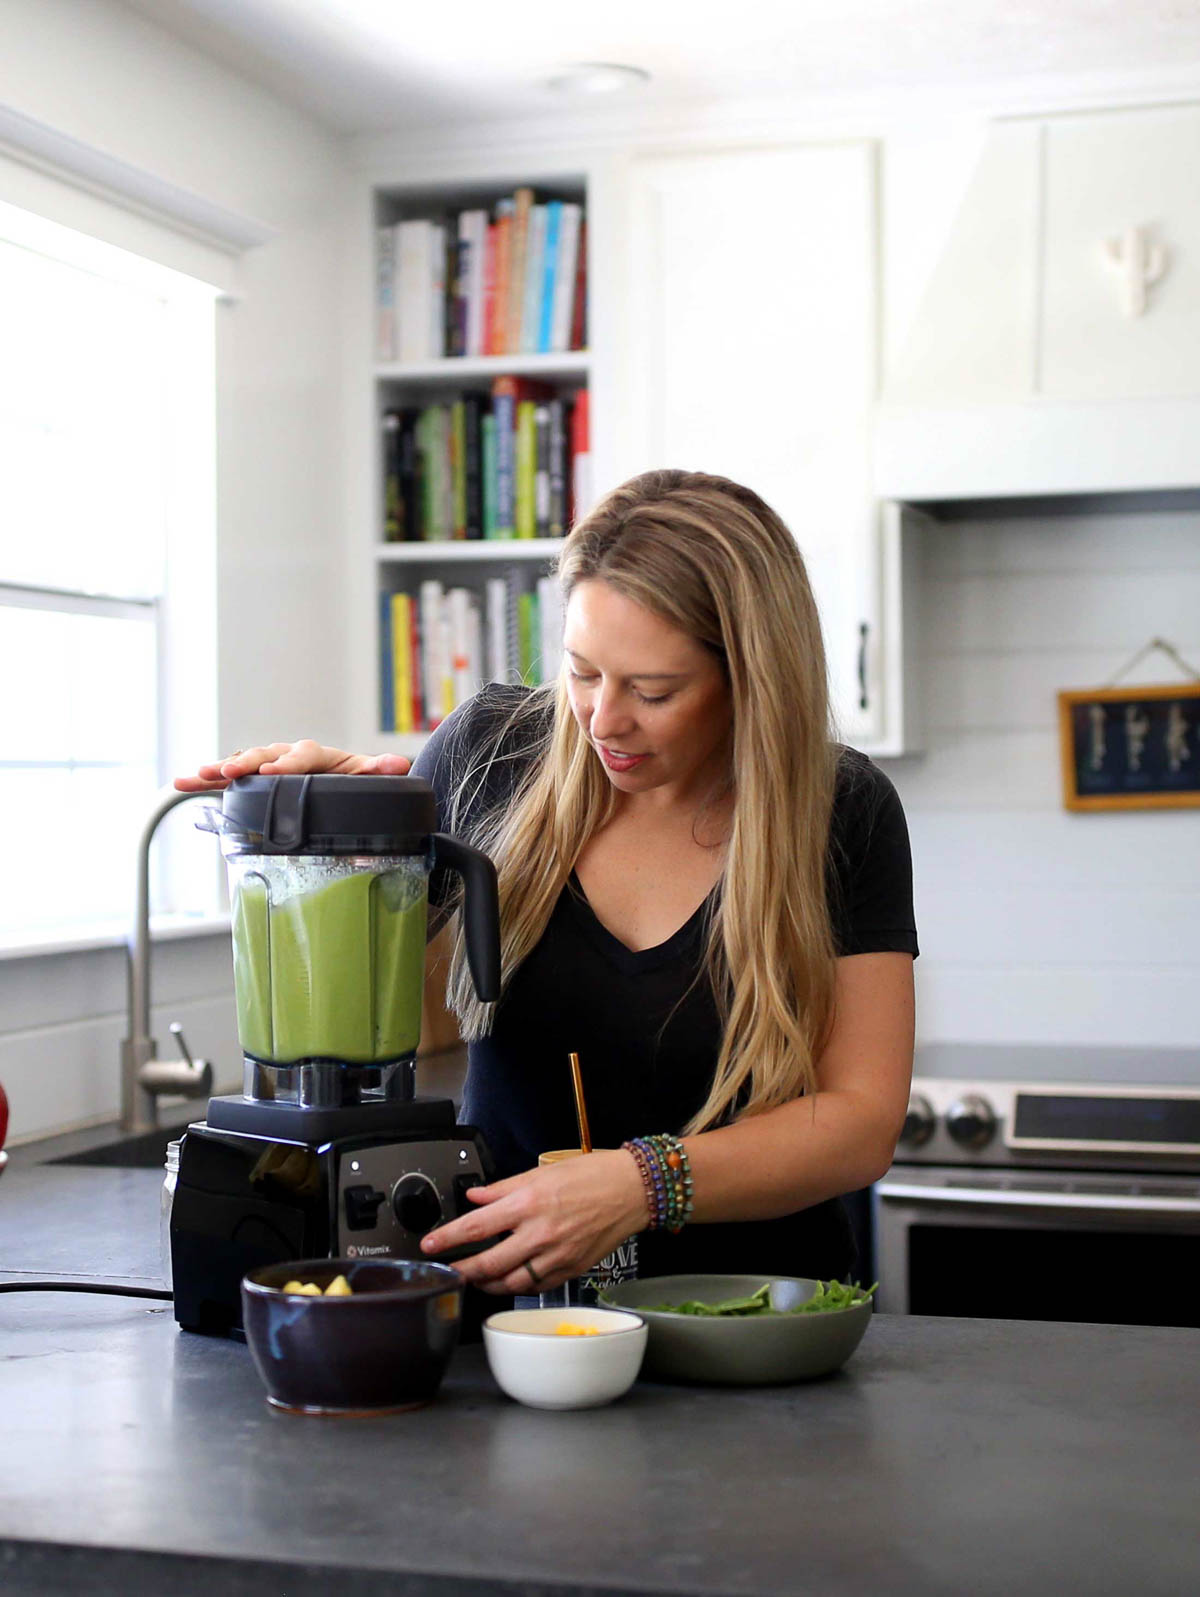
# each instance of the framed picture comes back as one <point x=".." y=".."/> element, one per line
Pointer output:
<point x="1131" y="748"/>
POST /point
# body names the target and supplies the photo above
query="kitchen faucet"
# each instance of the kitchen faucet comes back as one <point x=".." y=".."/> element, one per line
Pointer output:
<point x="144" y="1077"/>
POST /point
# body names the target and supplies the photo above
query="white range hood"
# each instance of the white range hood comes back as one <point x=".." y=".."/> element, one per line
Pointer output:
<point x="1036" y="364"/>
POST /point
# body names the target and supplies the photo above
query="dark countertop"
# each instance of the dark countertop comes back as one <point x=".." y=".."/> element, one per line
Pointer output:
<point x="951" y="1456"/>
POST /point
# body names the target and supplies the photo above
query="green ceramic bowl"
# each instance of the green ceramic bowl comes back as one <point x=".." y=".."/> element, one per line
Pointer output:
<point x="757" y="1350"/>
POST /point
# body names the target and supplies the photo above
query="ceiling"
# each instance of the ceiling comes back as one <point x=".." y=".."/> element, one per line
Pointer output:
<point x="367" y="66"/>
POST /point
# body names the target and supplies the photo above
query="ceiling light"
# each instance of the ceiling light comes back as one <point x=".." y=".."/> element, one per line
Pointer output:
<point x="596" y="77"/>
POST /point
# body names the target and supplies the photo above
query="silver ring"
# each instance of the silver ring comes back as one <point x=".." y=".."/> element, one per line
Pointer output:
<point x="533" y="1275"/>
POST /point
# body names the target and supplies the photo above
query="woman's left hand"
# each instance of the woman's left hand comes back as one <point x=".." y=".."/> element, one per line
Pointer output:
<point x="560" y="1220"/>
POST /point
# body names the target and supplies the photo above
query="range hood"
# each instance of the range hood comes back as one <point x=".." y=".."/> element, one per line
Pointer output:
<point x="1026" y="370"/>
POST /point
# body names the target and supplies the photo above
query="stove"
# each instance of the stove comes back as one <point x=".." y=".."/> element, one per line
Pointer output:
<point x="1045" y="1183"/>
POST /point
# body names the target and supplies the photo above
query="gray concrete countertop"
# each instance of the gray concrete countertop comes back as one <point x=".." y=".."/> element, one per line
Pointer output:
<point x="950" y="1457"/>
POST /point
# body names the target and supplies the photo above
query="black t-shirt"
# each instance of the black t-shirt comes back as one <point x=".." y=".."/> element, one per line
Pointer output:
<point x="646" y="1032"/>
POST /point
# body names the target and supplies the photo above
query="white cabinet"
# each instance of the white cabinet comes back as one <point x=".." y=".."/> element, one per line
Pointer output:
<point x="750" y="351"/>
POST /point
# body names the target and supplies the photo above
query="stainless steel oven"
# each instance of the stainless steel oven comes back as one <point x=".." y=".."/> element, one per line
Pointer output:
<point x="1044" y="1200"/>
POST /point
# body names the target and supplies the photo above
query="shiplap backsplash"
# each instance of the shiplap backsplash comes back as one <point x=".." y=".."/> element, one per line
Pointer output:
<point x="1038" y="925"/>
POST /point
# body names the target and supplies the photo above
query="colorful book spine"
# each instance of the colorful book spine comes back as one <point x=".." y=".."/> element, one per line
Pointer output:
<point x="489" y="291"/>
<point x="579" y="307"/>
<point x="528" y="637"/>
<point x="435" y="663"/>
<point x="460" y="288"/>
<point x="477" y="227"/>
<point x="522" y="205"/>
<point x="393" y="499"/>
<point x="487" y="428"/>
<point x="512" y="583"/>
<point x="505" y="210"/>
<point x="416" y="684"/>
<point x="581" y="457"/>
<point x="525" y="512"/>
<point x="401" y="663"/>
<point x="443" y="485"/>
<point x="564" y="277"/>
<point x="473" y="464"/>
<point x="541" y="471"/>
<point x="387" y="700"/>
<point x="435" y="288"/>
<point x="411" y="291"/>
<point x="504" y="413"/>
<point x="535" y="256"/>
<point x="385" y="293"/>
<point x="458" y="468"/>
<point x="458" y="625"/>
<point x="556" y="520"/>
<point x="428" y="477"/>
<point x="550" y="267"/>
<point x="496" y="663"/>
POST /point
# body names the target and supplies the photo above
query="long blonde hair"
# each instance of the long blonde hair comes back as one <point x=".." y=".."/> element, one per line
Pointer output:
<point x="713" y="560"/>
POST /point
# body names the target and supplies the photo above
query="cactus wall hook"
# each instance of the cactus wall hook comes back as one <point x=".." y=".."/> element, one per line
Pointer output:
<point x="1139" y="261"/>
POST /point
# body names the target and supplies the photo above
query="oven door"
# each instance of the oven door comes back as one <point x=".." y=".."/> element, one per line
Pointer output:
<point x="1039" y="1245"/>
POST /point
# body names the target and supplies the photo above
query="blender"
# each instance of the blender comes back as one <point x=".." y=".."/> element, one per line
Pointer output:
<point x="328" y="1151"/>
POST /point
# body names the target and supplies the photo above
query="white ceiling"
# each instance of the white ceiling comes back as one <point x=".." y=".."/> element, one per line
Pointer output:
<point x="366" y="66"/>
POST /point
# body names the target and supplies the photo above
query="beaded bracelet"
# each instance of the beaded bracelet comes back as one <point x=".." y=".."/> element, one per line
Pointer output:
<point x="666" y="1174"/>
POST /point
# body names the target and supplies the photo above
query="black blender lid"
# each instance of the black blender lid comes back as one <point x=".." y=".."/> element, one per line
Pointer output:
<point x="325" y="814"/>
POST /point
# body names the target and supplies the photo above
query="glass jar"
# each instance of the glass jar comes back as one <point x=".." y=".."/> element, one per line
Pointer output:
<point x="166" y="1199"/>
<point x="584" y="1290"/>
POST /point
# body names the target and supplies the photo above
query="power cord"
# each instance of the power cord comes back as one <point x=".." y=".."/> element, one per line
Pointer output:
<point x="109" y="1287"/>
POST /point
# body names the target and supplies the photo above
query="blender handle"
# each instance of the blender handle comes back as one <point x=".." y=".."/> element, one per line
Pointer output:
<point x="481" y="910"/>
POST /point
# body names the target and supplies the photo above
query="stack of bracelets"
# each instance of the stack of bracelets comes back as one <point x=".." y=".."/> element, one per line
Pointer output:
<point x="666" y="1175"/>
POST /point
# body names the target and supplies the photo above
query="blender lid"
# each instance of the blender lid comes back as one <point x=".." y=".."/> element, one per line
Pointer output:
<point x="326" y="814"/>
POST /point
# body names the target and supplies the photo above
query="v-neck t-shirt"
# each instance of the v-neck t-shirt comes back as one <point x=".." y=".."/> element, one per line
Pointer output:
<point x="646" y="1030"/>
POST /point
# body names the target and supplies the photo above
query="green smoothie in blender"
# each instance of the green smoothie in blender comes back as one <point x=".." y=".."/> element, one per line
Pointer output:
<point x="329" y="961"/>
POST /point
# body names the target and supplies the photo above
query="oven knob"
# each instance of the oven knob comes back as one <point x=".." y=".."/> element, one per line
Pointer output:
<point x="971" y="1121"/>
<point x="416" y="1204"/>
<point x="919" y="1121"/>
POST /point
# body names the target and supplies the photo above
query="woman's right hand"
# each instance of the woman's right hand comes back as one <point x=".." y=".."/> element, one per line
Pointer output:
<point x="291" y="759"/>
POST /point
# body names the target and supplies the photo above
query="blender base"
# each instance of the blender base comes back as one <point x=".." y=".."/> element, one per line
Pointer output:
<point x="290" y="1122"/>
<point x="261" y="1183"/>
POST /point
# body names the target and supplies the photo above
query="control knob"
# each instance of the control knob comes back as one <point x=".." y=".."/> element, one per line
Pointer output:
<point x="971" y="1121"/>
<point x="919" y="1122"/>
<point x="416" y="1203"/>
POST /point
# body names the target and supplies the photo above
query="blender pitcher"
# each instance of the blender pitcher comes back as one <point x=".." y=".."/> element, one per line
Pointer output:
<point x="328" y="880"/>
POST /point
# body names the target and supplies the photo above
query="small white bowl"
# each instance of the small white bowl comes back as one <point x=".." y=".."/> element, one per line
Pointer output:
<point x="536" y="1366"/>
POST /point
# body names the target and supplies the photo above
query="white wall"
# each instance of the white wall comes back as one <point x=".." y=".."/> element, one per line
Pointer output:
<point x="1037" y="924"/>
<point x="103" y="75"/>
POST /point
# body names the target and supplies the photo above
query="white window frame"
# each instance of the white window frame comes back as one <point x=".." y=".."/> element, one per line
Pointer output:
<point x="187" y="879"/>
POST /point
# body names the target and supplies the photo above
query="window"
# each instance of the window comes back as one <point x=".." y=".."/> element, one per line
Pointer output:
<point x="107" y="395"/>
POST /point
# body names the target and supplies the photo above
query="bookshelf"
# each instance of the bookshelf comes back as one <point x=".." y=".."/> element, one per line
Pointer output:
<point x="441" y="409"/>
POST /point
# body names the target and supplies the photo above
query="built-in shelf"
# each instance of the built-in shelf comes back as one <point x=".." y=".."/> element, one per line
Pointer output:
<point x="436" y="550"/>
<point x="465" y="368"/>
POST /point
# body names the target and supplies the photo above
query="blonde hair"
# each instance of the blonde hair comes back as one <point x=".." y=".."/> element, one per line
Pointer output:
<point x="713" y="560"/>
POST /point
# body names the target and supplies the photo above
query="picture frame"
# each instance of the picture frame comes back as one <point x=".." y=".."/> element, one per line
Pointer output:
<point x="1134" y="748"/>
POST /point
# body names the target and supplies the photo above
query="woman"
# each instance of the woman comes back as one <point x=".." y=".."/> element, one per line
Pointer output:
<point x="702" y="895"/>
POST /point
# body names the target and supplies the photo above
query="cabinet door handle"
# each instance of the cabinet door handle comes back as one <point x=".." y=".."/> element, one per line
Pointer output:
<point x="863" y="698"/>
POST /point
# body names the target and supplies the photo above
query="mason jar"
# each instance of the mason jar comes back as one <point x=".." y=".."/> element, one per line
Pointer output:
<point x="166" y="1200"/>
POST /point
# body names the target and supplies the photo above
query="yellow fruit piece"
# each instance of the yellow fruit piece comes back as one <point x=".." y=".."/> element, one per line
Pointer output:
<point x="567" y="1329"/>
<point x="310" y="1289"/>
<point x="291" y="1286"/>
<point x="339" y="1287"/>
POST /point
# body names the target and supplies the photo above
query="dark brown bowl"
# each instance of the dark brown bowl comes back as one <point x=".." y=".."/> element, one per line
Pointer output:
<point x="381" y="1350"/>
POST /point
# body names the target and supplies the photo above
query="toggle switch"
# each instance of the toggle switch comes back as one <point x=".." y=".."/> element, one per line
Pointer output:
<point x="362" y="1207"/>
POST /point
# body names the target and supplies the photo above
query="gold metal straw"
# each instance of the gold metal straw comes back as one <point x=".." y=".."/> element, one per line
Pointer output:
<point x="585" y="1140"/>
